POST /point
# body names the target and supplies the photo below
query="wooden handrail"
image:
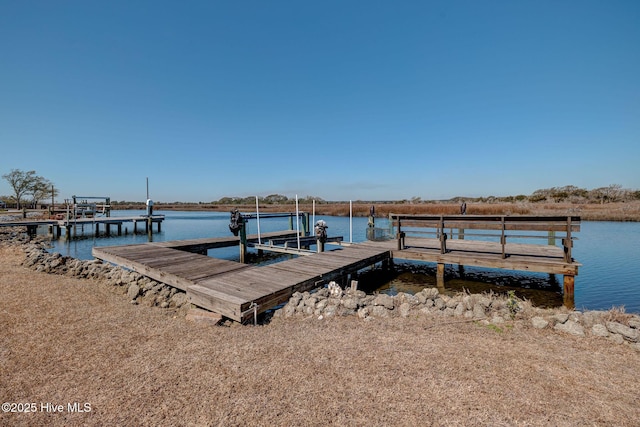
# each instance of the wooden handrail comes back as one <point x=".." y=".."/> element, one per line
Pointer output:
<point x="501" y="224"/>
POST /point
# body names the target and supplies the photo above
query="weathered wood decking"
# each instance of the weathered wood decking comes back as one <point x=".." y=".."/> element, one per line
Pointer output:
<point x="238" y="291"/>
<point x="231" y="288"/>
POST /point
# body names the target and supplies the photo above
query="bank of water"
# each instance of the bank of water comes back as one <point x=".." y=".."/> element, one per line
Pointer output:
<point x="609" y="252"/>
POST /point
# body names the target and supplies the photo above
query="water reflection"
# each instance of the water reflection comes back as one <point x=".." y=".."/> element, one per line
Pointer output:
<point x="543" y="290"/>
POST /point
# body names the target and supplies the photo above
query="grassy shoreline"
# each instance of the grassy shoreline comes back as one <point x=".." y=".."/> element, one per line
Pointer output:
<point x="627" y="211"/>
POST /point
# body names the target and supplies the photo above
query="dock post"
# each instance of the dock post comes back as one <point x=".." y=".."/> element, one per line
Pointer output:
<point x="305" y="224"/>
<point x="119" y="229"/>
<point x="58" y="231"/>
<point x="243" y="242"/>
<point x="67" y="235"/>
<point x="97" y="229"/>
<point x="159" y="226"/>
<point x="135" y="227"/>
<point x="400" y="236"/>
<point x="567" y="294"/>
<point x="440" y="277"/>
<point x="50" y="230"/>
<point x="108" y="229"/>
<point x="320" y="245"/>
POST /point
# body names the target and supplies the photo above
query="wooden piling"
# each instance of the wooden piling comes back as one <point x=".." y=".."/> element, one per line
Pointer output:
<point x="568" y="296"/>
<point x="440" y="276"/>
<point x="243" y="243"/>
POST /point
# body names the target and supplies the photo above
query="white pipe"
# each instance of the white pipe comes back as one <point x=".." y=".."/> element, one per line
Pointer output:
<point x="313" y="217"/>
<point x="297" y="223"/>
<point x="350" y="222"/>
<point x="258" y="220"/>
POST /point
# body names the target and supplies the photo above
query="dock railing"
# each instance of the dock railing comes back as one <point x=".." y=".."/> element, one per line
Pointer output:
<point x="488" y="227"/>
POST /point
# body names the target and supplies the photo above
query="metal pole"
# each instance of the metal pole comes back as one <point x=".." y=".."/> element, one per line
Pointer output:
<point x="350" y="221"/>
<point x="258" y="220"/>
<point x="297" y="223"/>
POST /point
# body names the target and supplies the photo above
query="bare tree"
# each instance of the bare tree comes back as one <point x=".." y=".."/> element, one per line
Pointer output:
<point x="40" y="189"/>
<point x="21" y="183"/>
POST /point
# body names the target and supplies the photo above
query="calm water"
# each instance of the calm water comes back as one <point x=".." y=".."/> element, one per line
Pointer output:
<point x="609" y="252"/>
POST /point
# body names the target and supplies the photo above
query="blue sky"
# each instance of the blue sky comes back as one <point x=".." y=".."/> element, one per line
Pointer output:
<point x="341" y="100"/>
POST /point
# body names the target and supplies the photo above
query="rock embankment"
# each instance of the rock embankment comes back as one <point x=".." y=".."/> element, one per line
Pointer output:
<point x="488" y="309"/>
<point x="496" y="311"/>
<point x="139" y="289"/>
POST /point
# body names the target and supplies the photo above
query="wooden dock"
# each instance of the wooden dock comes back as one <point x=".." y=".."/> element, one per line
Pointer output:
<point x="240" y="291"/>
<point x="494" y="245"/>
<point x="235" y="290"/>
<point x="71" y="226"/>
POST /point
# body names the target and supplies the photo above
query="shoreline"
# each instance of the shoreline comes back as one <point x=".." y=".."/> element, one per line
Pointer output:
<point x="620" y="211"/>
<point x="71" y="338"/>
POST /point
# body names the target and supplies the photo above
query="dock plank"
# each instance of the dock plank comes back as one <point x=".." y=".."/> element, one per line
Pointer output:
<point x="230" y="288"/>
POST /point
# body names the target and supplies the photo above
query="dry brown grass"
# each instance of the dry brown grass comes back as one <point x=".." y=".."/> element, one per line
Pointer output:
<point x="589" y="212"/>
<point x="68" y="340"/>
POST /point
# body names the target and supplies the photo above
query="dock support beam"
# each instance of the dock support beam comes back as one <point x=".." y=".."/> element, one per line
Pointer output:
<point x="440" y="277"/>
<point x="243" y="243"/>
<point x="567" y="296"/>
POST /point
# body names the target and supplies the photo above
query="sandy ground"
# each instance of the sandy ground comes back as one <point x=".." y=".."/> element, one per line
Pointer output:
<point x="71" y="342"/>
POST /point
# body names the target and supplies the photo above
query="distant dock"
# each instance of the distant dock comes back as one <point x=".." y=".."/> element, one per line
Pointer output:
<point x="78" y="226"/>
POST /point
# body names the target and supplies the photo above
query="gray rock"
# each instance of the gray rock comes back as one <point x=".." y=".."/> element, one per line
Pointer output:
<point x="599" y="330"/>
<point x="484" y="302"/>
<point x="363" y="312"/>
<point x="561" y="317"/>
<point x="405" y="309"/>
<point x="322" y="304"/>
<point x="627" y="333"/>
<point x="311" y="301"/>
<point x="570" y="327"/>
<point x="460" y="309"/>
<point x="289" y="310"/>
<point x="350" y="303"/>
<point x="133" y="291"/>
<point x="478" y="311"/>
<point x="449" y="311"/>
<point x="379" y="311"/>
<point x="431" y="292"/>
<point x="590" y="318"/>
<point x="178" y="299"/>
<point x="384" y="300"/>
<point x="539" y="322"/>
<point x="634" y="322"/>
<point x="330" y="310"/>
<point x="439" y="303"/>
<point x="422" y="298"/>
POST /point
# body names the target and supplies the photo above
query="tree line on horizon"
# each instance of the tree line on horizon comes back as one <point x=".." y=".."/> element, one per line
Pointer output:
<point x="30" y="189"/>
<point x="568" y="193"/>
